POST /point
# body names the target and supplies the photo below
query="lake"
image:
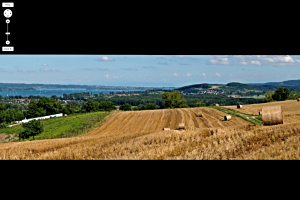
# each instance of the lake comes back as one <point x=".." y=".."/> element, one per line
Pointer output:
<point x="57" y="92"/>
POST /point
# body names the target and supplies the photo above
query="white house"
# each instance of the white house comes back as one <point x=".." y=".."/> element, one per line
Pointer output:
<point x="44" y="117"/>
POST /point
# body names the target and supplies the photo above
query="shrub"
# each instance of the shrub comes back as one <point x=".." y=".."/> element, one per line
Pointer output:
<point x="125" y="107"/>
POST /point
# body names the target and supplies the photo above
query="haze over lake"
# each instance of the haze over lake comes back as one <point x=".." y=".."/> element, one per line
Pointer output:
<point x="56" y="91"/>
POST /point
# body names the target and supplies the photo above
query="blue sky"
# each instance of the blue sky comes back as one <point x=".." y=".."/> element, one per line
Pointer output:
<point x="147" y="70"/>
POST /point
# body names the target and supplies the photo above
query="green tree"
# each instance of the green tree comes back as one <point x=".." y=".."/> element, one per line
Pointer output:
<point x="50" y="105"/>
<point x="268" y="96"/>
<point x="294" y="95"/>
<point x="281" y="94"/>
<point x="125" y="107"/>
<point x="197" y="104"/>
<point x="174" y="100"/>
<point x="89" y="106"/>
<point x="149" y="106"/>
<point x="31" y="128"/>
<point x="106" y="106"/>
<point x="34" y="110"/>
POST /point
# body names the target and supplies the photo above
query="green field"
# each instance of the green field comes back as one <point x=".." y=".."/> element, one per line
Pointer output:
<point x="69" y="126"/>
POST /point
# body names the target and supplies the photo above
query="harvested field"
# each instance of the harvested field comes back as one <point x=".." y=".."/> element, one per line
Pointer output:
<point x="290" y="107"/>
<point x="209" y="144"/>
<point x="137" y="135"/>
<point x="155" y="120"/>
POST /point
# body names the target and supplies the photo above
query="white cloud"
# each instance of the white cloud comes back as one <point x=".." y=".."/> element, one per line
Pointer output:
<point x="107" y="76"/>
<point x="203" y="74"/>
<point x="277" y="60"/>
<point x="188" y="74"/>
<point x="255" y="62"/>
<point x="104" y="58"/>
<point x="220" y="60"/>
<point x="175" y="74"/>
<point x="273" y="60"/>
<point x="218" y="75"/>
<point x="243" y="63"/>
<point x="45" y="65"/>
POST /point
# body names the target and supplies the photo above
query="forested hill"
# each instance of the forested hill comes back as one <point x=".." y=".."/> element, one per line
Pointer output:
<point x="293" y="85"/>
<point x="289" y="83"/>
<point x="230" y="87"/>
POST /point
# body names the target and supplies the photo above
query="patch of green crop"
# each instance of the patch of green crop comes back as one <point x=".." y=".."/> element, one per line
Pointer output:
<point x="253" y="119"/>
<point x="68" y="126"/>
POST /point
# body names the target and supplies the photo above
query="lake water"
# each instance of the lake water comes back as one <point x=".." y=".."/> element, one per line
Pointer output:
<point x="57" y="92"/>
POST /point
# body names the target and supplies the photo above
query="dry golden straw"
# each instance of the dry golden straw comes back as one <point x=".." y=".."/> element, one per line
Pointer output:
<point x="272" y="115"/>
<point x="139" y="135"/>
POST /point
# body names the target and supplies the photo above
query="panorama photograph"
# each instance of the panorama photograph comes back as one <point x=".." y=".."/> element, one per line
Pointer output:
<point x="149" y="107"/>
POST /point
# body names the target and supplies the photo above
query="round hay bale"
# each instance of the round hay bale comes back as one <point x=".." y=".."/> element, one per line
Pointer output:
<point x="166" y="129"/>
<point x="298" y="99"/>
<point x="181" y="125"/>
<point x="272" y="115"/>
<point x="217" y="104"/>
<point x="239" y="106"/>
<point x="227" y="117"/>
<point x="260" y="113"/>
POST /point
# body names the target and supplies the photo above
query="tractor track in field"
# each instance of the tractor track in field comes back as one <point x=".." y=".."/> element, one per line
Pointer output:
<point x="155" y="120"/>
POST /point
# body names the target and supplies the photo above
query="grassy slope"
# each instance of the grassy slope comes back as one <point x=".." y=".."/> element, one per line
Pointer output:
<point x="71" y="125"/>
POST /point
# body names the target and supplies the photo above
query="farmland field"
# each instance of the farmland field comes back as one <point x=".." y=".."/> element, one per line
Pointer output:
<point x="291" y="109"/>
<point x="136" y="135"/>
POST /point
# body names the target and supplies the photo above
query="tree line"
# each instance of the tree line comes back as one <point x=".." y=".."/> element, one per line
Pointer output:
<point x="9" y="112"/>
<point x="281" y="94"/>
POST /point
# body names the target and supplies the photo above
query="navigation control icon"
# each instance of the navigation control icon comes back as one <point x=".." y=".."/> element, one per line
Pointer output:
<point x="7" y="14"/>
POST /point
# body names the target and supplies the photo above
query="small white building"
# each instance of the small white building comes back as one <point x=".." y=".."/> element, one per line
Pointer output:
<point x="39" y="118"/>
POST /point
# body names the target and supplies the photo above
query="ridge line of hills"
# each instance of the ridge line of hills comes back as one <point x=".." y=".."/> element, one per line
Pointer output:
<point x="293" y="85"/>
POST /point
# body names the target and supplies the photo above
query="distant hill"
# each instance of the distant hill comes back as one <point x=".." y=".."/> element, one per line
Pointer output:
<point x="234" y="86"/>
<point x="203" y="85"/>
<point x="293" y="85"/>
<point x="288" y="83"/>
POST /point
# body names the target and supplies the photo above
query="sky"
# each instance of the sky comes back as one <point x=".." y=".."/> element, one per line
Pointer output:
<point x="148" y="70"/>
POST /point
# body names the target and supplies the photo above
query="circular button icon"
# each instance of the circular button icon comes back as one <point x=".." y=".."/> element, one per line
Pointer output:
<point x="7" y="21"/>
<point x="7" y="13"/>
<point x="7" y="42"/>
